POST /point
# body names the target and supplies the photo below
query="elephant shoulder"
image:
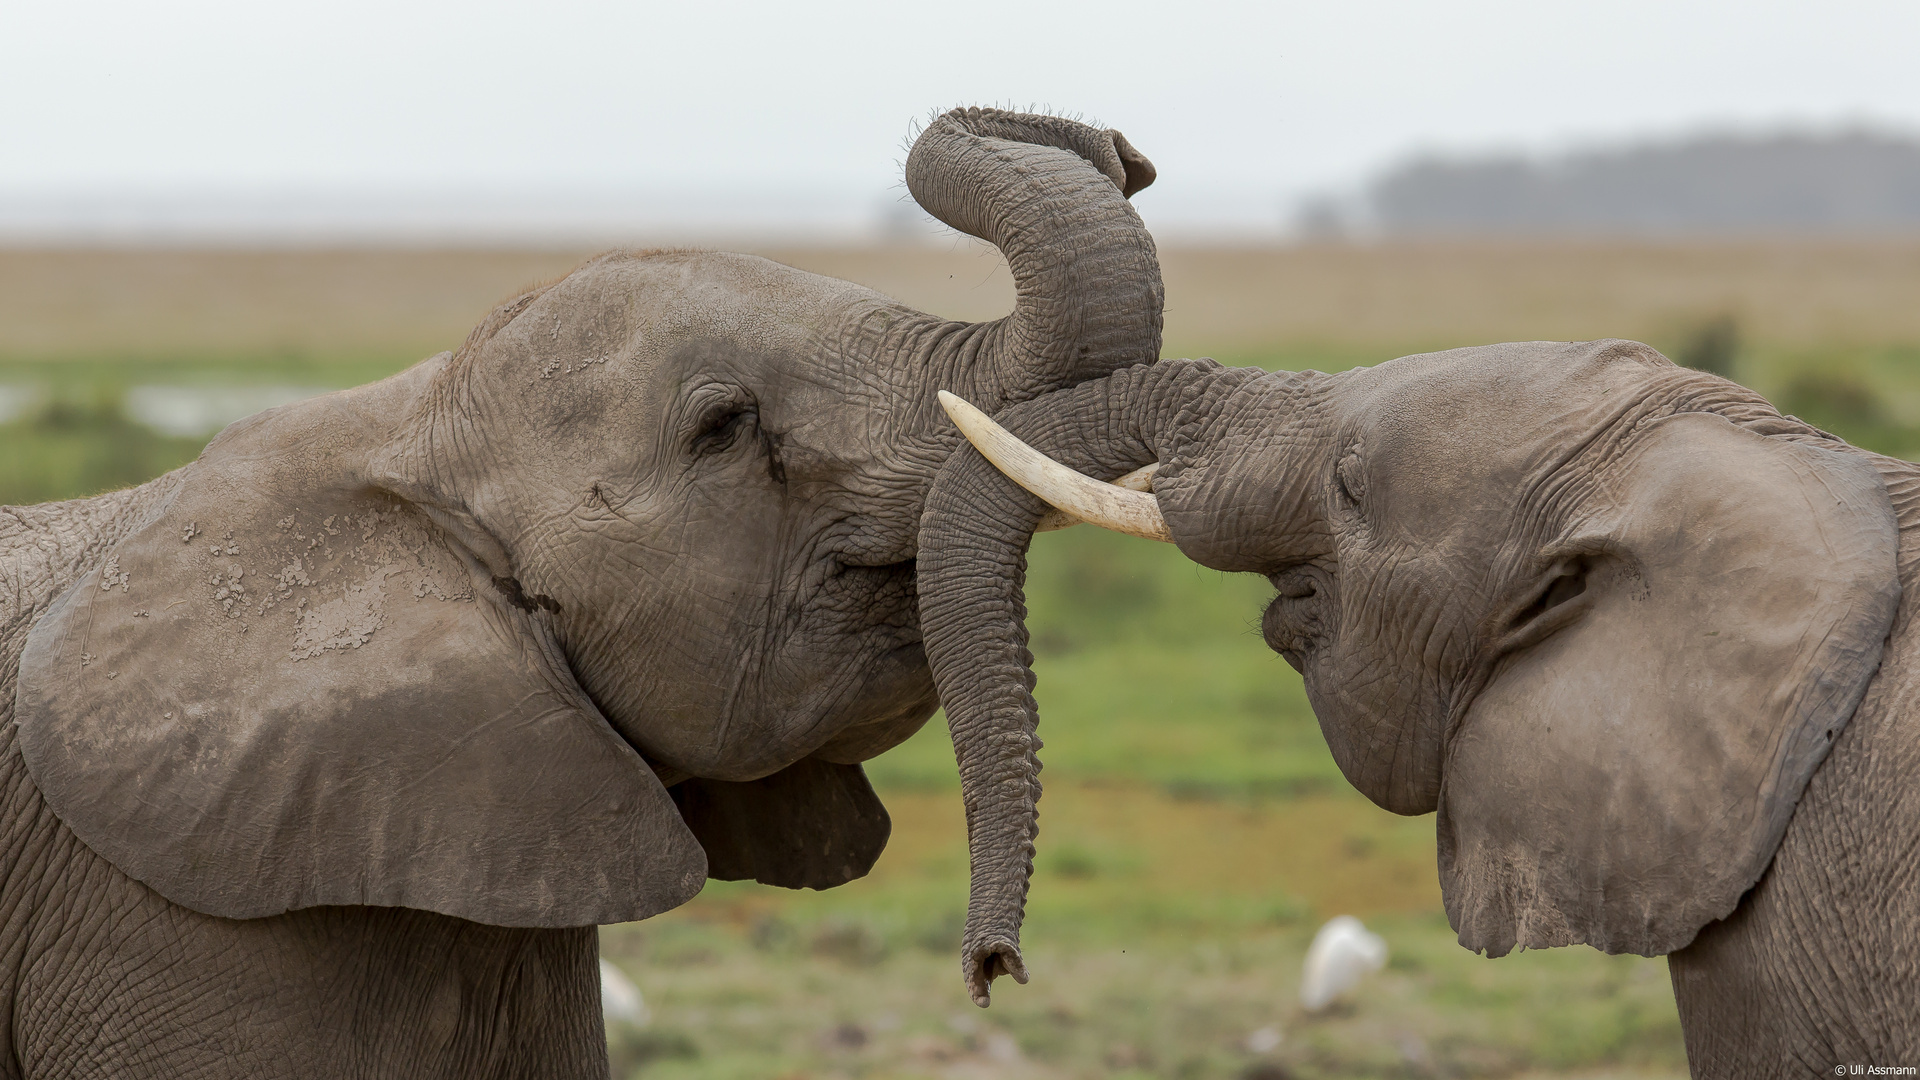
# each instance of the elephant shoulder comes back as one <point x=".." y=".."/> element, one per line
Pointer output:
<point x="44" y="868"/>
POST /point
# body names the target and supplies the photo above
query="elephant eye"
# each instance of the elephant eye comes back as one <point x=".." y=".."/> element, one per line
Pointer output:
<point x="1349" y="477"/>
<point x="720" y="428"/>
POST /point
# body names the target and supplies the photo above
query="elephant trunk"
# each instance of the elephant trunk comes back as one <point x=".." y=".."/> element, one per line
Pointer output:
<point x="1087" y="278"/>
<point x="972" y="568"/>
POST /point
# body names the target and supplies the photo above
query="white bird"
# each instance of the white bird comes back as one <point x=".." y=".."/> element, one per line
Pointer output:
<point x="1342" y="953"/>
<point x="620" y="999"/>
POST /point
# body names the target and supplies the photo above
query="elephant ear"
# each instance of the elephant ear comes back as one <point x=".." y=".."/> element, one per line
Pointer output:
<point x="812" y="825"/>
<point x="1624" y="781"/>
<point x="291" y="688"/>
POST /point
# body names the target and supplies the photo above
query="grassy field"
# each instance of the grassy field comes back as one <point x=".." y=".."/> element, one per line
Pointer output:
<point x="1194" y="835"/>
<point x="1194" y="831"/>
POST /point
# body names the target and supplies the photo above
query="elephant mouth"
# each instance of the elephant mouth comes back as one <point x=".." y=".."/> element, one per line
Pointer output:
<point x="889" y="693"/>
<point x="877" y="596"/>
<point x="881" y="707"/>
<point x="902" y="567"/>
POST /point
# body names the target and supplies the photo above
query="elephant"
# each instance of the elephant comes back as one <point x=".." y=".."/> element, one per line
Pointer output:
<point x="326" y="753"/>
<point x="1645" y="645"/>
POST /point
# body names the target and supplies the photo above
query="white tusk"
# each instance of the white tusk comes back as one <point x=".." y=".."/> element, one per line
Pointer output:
<point x="1128" y="509"/>
<point x="1140" y="479"/>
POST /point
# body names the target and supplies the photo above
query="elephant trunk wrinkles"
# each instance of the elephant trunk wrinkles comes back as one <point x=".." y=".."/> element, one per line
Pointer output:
<point x="972" y="569"/>
<point x="1084" y="266"/>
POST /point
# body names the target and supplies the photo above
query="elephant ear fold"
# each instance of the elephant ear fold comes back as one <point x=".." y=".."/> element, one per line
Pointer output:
<point x="289" y="689"/>
<point x="812" y="825"/>
<point x="1624" y="781"/>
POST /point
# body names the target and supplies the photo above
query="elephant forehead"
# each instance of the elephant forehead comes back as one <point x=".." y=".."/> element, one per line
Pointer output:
<point x="627" y="329"/>
<point x="1463" y="430"/>
<point x="701" y="294"/>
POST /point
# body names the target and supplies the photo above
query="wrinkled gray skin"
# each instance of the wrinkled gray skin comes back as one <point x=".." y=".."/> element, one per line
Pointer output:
<point x="1646" y="645"/>
<point x="322" y="756"/>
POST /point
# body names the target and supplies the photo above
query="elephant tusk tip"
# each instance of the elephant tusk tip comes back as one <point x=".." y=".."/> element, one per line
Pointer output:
<point x="957" y="407"/>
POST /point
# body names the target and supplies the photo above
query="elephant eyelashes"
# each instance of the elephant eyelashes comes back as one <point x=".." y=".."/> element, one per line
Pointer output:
<point x="1348" y="478"/>
<point x="725" y="424"/>
<point x="721" y="428"/>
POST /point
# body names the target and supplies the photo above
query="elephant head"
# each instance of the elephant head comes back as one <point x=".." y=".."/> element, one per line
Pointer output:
<point x="1605" y="614"/>
<point x="446" y="641"/>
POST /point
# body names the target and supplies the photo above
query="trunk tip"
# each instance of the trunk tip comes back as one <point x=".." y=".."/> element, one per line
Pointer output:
<point x="988" y="962"/>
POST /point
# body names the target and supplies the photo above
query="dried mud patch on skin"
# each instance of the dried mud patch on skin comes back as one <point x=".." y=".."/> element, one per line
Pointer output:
<point x="344" y="623"/>
<point x="333" y="575"/>
<point x="111" y="575"/>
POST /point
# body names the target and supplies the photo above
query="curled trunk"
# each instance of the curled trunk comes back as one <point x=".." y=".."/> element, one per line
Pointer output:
<point x="1086" y="276"/>
<point x="1051" y="194"/>
<point x="972" y="569"/>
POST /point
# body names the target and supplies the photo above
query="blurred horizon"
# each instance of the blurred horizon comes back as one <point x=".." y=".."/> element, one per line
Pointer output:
<point x="1841" y="179"/>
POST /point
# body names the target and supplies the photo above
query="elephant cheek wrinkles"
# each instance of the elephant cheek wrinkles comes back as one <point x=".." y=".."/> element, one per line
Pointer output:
<point x="1389" y="675"/>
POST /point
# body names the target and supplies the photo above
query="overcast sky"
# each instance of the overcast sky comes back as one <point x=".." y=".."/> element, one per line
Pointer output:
<point x="1243" y="106"/>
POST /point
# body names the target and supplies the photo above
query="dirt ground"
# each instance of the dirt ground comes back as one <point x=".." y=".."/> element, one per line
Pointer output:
<point x="1373" y="300"/>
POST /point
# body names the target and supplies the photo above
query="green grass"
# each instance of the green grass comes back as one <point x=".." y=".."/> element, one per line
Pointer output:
<point x="1195" y="833"/>
<point x="81" y="445"/>
<point x="801" y="1001"/>
<point x="74" y="440"/>
<point x="1151" y="669"/>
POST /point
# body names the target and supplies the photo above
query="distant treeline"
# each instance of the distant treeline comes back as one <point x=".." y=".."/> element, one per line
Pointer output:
<point x="1844" y="182"/>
